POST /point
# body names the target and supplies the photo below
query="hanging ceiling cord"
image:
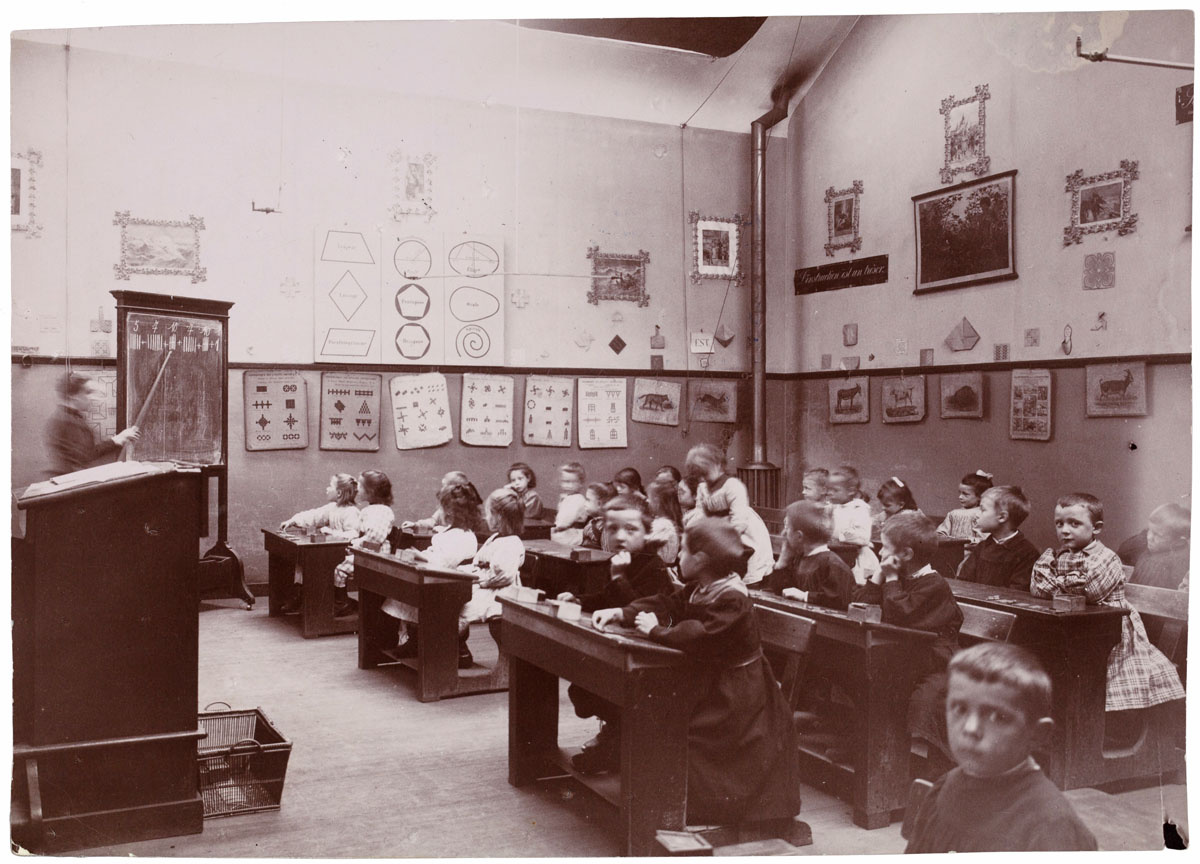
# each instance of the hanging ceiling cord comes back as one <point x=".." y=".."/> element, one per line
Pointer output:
<point x="740" y="52"/>
<point x="67" y="210"/>
<point x="685" y="421"/>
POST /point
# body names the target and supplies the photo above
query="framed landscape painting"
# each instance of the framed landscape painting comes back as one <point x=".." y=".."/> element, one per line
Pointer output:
<point x="965" y="233"/>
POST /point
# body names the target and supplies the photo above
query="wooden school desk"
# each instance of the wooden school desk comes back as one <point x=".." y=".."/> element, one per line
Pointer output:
<point x="652" y="685"/>
<point x="314" y="559"/>
<point x="439" y="596"/>
<point x="872" y="663"/>
<point x="419" y="537"/>
<point x="556" y="568"/>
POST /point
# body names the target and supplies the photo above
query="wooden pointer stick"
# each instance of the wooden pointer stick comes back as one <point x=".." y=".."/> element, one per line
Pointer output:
<point x="146" y="403"/>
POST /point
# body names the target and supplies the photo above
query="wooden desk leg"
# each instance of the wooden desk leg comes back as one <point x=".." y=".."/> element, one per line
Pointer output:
<point x="881" y="771"/>
<point x="317" y="614"/>
<point x="437" y="649"/>
<point x="653" y="764"/>
<point x="1079" y="674"/>
<point x="369" y="618"/>
<point x="280" y="573"/>
<point x="532" y="720"/>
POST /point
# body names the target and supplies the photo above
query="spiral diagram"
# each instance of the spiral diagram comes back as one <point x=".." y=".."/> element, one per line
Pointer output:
<point x="473" y="341"/>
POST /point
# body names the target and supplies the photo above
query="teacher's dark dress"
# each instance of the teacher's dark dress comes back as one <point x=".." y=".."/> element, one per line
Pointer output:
<point x="73" y="443"/>
<point x="741" y="745"/>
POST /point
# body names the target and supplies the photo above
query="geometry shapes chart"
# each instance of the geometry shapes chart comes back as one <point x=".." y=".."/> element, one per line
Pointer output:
<point x="275" y="408"/>
<point x="346" y="296"/>
<point x="486" y="417"/>
<point x="656" y="401"/>
<point x="420" y="410"/>
<point x="547" y="411"/>
<point x="602" y="413"/>
<point x="473" y="259"/>
<point x="350" y="418"/>
<point x="412" y="258"/>
<point x="474" y="299"/>
<point x="412" y="309"/>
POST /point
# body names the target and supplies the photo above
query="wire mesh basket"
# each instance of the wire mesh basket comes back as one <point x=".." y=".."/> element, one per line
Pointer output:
<point x="242" y="762"/>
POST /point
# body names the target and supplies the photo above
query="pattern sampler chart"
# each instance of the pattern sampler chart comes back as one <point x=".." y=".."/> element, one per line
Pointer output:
<point x="420" y="410"/>
<point x="548" y="403"/>
<point x="275" y="410"/>
<point x="602" y="416"/>
<point x="346" y="299"/>
<point x="486" y="416"/>
<point x="350" y="417"/>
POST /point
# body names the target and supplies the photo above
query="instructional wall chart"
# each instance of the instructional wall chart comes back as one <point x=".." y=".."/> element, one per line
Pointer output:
<point x="346" y="296"/>
<point x="548" y="403"/>
<point x="602" y="413"/>
<point x="276" y="410"/>
<point x="486" y="416"/>
<point x="350" y="411"/>
<point x="420" y="410"/>
<point x="656" y="401"/>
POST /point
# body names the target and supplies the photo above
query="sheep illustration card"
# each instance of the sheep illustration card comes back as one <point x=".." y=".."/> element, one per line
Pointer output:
<point x="712" y="400"/>
<point x="1116" y="390"/>
<point x="903" y="399"/>
<point x="850" y="400"/>
<point x="962" y="395"/>
<point x="656" y="401"/>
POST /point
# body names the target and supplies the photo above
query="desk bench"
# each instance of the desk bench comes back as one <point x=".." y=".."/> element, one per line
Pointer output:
<point x="314" y="559"/>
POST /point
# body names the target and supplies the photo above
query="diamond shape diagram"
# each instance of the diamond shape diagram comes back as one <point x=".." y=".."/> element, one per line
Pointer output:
<point x="347" y="295"/>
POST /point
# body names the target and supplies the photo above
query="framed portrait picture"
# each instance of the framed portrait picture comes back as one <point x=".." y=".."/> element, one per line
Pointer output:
<point x="716" y="247"/>
<point x="962" y="395"/>
<point x="842" y="217"/>
<point x="1116" y="390"/>
<point x="850" y="400"/>
<point x="618" y="276"/>
<point x="158" y="247"/>
<point x="964" y="124"/>
<point x="965" y="233"/>
<point x="1029" y="405"/>
<point x="24" y="192"/>
<point x="412" y="184"/>
<point x="903" y="399"/>
<point x="713" y="400"/>
<point x="1101" y="202"/>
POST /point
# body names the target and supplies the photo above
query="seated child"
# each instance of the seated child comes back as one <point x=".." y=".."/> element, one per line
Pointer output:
<point x="997" y="799"/>
<point x="338" y="519"/>
<point x="852" y="520"/>
<point x="572" y="512"/>
<point x="807" y="570"/>
<point x="523" y="481"/>
<point x="438" y="519"/>
<point x="913" y="594"/>
<point x="718" y="494"/>
<point x="667" y="527"/>
<point x="596" y="495"/>
<point x="960" y="523"/>
<point x="814" y="485"/>
<point x="1168" y="542"/>
<point x="1004" y="557"/>
<point x="374" y="523"/>
<point x="498" y="563"/>
<point x="686" y="487"/>
<point x="894" y="497"/>
<point x="1139" y="675"/>
<point x="742" y="761"/>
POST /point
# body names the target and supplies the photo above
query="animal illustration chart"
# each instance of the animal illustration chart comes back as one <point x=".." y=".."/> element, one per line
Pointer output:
<point x="276" y="410"/>
<point x="350" y="417"/>
<point x="656" y="401"/>
<point x="547" y="412"/>
<point x="850" y="400"/>
<point x="1116" y="390"/>
<point x="602" y="413"/>
<point x="420" y="410"/>
<point x="346" y="296"/>
<point x="413" y="303"/>
<point x="486" y="416"/>
<point x="713" y="400"/>
<point x="903" y="399"/>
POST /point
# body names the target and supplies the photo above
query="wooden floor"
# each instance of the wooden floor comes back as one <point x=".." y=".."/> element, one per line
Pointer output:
<point x="375" y="773"/>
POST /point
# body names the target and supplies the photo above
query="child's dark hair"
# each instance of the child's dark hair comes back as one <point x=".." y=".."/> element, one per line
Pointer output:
<point x="377" y="487"/>
<point x="671" y="470"/>
<point x="631" y="502"/>
<point x="1012" y="500"/>
<point x="895" y="489"/>
<point x="526" y="470"/>
<point x="575" y="469"/>
<point x="912" y="530"/>
<point x="1011" y="665"/>
<point x="509" y="510"/>
<point x="1091" y="502"/>
<point x="847" y="473"/>
<point x="631" y="478"/>
<point x="663" y="495"/>
<point x="346" y="487"/>
<point x="979" y="480"/>
<point x="820" y="476"/>
<point x="72" y="384"/>
<point x="720" y="542"/>
<point x="460" y="505"/>
<point x="604" y="492"/>
<point x="810" y="519"/>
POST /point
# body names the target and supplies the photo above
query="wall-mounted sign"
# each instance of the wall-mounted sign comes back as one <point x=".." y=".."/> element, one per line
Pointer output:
<point x="844" y="274"/>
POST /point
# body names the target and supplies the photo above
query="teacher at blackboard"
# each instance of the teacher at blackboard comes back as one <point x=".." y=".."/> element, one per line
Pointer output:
<point x="70" y="439"/>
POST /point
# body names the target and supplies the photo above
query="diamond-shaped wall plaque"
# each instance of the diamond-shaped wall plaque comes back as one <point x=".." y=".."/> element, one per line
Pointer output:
<point x="617" y="344"/>
<point x="347" y="295"/>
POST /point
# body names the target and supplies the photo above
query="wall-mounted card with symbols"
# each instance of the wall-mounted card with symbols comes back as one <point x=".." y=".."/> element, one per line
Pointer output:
<point x="420" y="410"/>
<point x="602" y="414"/>
<point x="547" y="412"/>
<point x="350" y="410"/>
<point x="486" y="418"/>
<point x="276" y="410"/>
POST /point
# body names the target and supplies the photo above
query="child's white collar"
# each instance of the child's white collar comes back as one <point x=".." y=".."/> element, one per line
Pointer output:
<point x="816" y="550"/>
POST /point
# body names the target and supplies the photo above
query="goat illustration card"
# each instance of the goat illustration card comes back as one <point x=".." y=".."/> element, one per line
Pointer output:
<point x="712" y="401"/>
<point x="850" y="400"/>
<point x="1116" y="390"/>
<point x="656" y="401"/>
<point x="962" y="395"/>
<point x="903" y="399"/>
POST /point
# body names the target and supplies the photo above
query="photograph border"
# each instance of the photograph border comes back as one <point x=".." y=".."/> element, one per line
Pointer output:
<point x="124" y="269"/>
<point x="1076" y="182"/>
<point x="734" y="224"/>
<point x="854" y="242"/>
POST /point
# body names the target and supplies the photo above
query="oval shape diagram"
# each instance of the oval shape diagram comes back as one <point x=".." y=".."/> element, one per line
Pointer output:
<point x="468" y="304"/>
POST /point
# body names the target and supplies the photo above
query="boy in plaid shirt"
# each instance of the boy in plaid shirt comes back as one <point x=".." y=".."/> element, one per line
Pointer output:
<point x="1139" y="675"/>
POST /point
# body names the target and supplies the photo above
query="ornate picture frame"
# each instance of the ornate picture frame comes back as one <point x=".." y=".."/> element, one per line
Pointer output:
<point x="159" y="247"/>
<point x="965" y="233"/>
<point x="842" y="215"/>
<point x="24" y="192"/>
<point x="412" y="185"/>
<point x="618" y="276"/>
<point x="716" y="247"/>
<point x="964" y="123"/>
<point x="1101" y="202"/>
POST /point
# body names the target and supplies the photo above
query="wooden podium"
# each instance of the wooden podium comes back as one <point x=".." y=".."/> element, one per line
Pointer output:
<point x="104" y="664"/>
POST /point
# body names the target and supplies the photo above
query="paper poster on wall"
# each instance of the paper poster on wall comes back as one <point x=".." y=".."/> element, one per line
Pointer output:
<point x="486" y="417"/>
<point x="350" y="411"/>
<point x="547" y="413"/>
<point x="420" y="410"/>
<point x="713" y="400"/>
<point x="412" y="305"/>
<point x="602" y="413"/>
<point x="102" y="410"/>
<point x="275" y="408"/>
<point x="346" y="296"/>
<point x="1029" y="405"/>
<point x="474" y="268"/>
<point x="656" y="401"/>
